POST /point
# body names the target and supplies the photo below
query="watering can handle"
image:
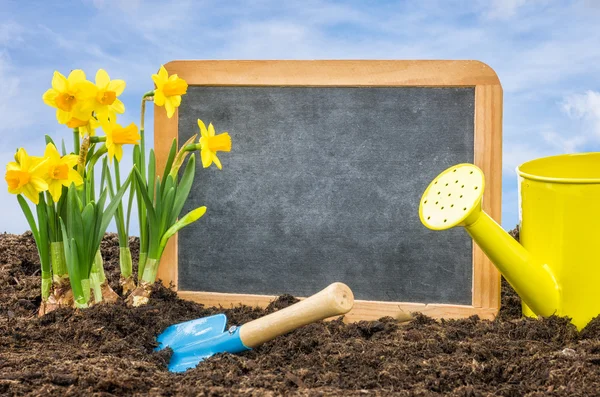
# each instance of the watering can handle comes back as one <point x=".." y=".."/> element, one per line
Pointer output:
<point x="336" y="299"/>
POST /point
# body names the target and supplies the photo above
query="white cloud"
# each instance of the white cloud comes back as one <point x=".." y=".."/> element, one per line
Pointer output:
<point x="585" y="107"/>
<point x="506" y="9"/>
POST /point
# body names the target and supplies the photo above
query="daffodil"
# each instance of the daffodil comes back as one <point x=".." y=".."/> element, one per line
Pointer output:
<point x="60" y="171"/>
<point x="169" y="90"/>
<point x="117" y="136"/>
<point x="27" y="175"/>
<point x="84" y="127"/>
<point x="72" y="96"/>
<point x="210" y="144"/>
<point x="107" y="104"/>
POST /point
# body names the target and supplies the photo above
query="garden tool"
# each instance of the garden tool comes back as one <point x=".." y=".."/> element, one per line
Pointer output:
<point x="555" y="266"/>
<point x="195" y="340"/>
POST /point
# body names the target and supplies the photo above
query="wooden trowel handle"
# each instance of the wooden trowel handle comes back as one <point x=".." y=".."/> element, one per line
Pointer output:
<point x="334" y="300"/>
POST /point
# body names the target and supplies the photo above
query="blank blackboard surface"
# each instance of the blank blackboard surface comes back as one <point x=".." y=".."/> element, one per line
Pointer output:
<point x="329" y="161"/>
<point x="323" y="185"/>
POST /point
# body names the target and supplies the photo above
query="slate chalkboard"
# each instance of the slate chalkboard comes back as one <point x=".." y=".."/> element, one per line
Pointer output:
<point x="323" y="184"/>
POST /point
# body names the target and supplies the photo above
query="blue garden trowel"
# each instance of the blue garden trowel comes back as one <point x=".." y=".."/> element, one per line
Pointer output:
<point x="193" y="341"/>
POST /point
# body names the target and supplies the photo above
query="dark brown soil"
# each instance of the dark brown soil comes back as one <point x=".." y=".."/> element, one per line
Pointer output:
<point x="108" y="350"/>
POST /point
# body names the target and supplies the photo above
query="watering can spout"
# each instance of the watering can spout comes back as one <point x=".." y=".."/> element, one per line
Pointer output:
<point x="452" y="199"/>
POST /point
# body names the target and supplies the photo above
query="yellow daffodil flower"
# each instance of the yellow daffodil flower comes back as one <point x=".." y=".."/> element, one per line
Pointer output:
<point x="117" y="136"/>
<point x="27" y="175"/>
<point x="71" y="96"/>
<point x="107" y="104"/>
<point x="210" y="144"/>
<point x="169" y="90"/>
<point x="84" y="127"/>
<point x="60" y="171"/>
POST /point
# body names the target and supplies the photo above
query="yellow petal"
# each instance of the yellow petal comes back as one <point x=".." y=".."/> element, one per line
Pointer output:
<point x="12" y="166"/>
<point x="49" y="97"/>
<point x="203" y="130"/>
<point x="75" y="177"/>
<point x="158" y="81"/>
<point x="59" y="82"/>
<point x="118" y="86"/>
<point x="51" y="152"/>
<point x="206" y="156"/>
<point x="176" y="100"/>
<point x="211" y="130"/>
<point x="38" y="183"/>
<point x="216" y="161"/>
<point x="162" y="73"/>
<point x="103" y="114"/>
<point x="118" y="106"/>
<point x="111" y="151"/>
<point x="118" y="152"/>
<point x="169" y="107"/>
<point x="86" y="90"/>
<point x="70" y="159"/>
<point x="102" y="79"/>
<point x="23" y="159"/>
<point x="62" y="116"/>
<point x="55" y="189"/>
<point x="40" y="168"/>
<point x="76" y="76"/>
<point x="159" y="98"/>
<point x="31" y="194"/>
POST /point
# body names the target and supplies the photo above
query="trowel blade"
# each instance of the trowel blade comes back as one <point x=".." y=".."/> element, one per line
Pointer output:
<point x="192" y="331"/>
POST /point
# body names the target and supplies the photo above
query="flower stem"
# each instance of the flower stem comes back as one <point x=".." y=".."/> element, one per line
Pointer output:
<point x="76" y="139"/>
<point x="97" y="139"/>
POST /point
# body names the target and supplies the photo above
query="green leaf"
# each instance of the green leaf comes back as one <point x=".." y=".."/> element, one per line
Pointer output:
<point x="43" y="244"/>
<point x="29" y="216"/>
<point x="130" y="205"/>
<point x="112" y="207"/>
<point x="151" y="174"/>
<point x="63" y="147"/>
<point x="167" y="205"/>
<point x="183" y="190"/>
<point x="49" y="140"/>
<point x="75" y="223"/>
<point x="89" y="221"/>
<point x="51" y="213"/>
<point x="170" y="159"/>
<point x="72" y="267"/>
<point x="187" y="219"/>
<point x="158" y="195"/>
<point x="144" y="194"/>
<point x="108" y="180"/>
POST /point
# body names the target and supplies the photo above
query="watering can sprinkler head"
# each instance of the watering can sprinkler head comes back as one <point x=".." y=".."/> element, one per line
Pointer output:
<point x="454" y="198"/>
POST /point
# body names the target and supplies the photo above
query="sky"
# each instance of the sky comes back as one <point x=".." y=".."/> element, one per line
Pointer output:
<point x="546" y="54"/>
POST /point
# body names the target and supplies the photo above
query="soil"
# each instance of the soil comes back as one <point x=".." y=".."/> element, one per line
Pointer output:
<point x="107" y="350"/>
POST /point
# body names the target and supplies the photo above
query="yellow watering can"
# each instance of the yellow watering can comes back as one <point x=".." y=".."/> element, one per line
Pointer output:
<point x="555" y="268"/>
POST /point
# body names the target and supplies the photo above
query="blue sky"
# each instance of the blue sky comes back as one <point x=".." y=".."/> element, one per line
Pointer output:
<point x="546" y="54"/>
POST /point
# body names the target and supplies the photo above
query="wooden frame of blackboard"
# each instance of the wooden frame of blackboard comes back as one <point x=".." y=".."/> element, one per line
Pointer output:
<point x="356" y="73"/>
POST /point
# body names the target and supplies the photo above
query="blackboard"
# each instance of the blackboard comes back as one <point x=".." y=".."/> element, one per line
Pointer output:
<point x="323" y="184"/>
